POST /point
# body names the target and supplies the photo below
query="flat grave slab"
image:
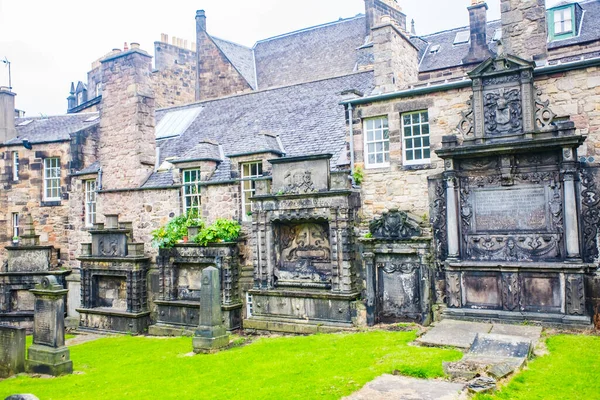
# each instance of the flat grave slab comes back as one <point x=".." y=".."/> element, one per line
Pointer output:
<point x="532" y="333"/>
<point x="391" y="387"/>
<point x="496" y="345"/>
<point x="454" y="333"/>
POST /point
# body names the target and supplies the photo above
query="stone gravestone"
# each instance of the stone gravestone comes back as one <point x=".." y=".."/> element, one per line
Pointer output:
<point x="48" y="354"/>
<point x="211" y="334"/>
<point x="12" y="350"/>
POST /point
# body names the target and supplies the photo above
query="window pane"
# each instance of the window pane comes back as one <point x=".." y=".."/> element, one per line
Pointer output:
<point x="370" y="136"/>
<point x="377" y="123"/>
<point x="378" y="135"/>
<point x="409" y="155"/>
<point x="371" y="158"/>
<point x="418" y="154"/>
<point x="371" y="148"/>
<point x="426" y="141"/>
<point x="408" y="143"/>
<point x="417" y="142"/>
<point x="567" y="26"/>
<point x="426" y="153"/>
<point x="386" y="146"/>
<point x="406" y="119"/>
<point x="415" y="118"/>
<point x="386" y="134"/>
<point x="424" y="117"/>
<point x="425" y="129"/>
<point x="379" y="147"/>
<point x="407" y="131"/>
<point x="379" y="158"/>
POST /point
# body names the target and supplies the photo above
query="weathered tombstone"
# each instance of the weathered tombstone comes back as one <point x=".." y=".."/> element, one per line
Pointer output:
<point x="48" y="354"/>
<point x="12" y="350"/>
<point x="211" y="334"/>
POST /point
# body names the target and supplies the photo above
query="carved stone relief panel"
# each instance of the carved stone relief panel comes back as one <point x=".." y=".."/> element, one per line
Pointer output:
<point x="575" y="295"/>
<point x="510" y="291"/>
<point x="453" y="289"/>
<point x="304" y="253"/>
<point x="394" y="225"/>
<point x="399" y="292"/>
<point x="503" y="111"/>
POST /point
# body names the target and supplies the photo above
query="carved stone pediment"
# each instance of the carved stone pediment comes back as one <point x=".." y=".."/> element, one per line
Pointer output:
<point x="394" y="224"/>
<point x="495" y="65"/>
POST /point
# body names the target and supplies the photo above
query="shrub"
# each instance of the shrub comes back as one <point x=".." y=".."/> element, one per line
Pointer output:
<point x="223" y="230"/>
<point x="175" y="230"/>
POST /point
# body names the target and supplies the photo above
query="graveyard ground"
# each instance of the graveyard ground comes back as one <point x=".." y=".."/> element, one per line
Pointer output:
<point x="323" y="366"/>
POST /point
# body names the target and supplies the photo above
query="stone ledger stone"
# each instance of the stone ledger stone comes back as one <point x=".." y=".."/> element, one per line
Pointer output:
<point x="211" y="334"/>
<point x="48" y="353"/>
<point x="12" y="350"/>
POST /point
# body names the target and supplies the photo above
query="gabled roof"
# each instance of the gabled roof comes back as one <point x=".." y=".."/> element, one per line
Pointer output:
<point x="314" y="53"/>
<point x="307" y="118"/>
<point x="241" y="57"/>
<point x="52" y="128"/>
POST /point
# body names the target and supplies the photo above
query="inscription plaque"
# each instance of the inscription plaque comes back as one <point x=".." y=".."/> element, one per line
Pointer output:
<point x="44" y="324"/>
<point x="510" y="209"/>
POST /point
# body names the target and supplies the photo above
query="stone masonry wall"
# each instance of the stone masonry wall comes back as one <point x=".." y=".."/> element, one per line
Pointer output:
<point x="396" y="63"/>
<point x="524" y="31"/>
<point x="574" y="95"/>
<point x="174" y="85"/>
<point x="217" y="77"/>
<point x="166" y="55"/>
<point x="127" y="144"/>
<point x="25" y="196"/>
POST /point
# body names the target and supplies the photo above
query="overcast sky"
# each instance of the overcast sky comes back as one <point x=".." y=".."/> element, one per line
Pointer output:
<point x="52" y="43"/>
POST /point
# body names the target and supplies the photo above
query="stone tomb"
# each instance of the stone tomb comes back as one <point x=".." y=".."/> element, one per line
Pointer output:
<point x="180" y="286"/>
<point x="397" y="272"/>
<point x="48" y="353"/>
<point x="27" y="262"/>
<point x="505" y="211"/>
<point x="114" y="295"/>
<point x="12" y="350"/>
<point x="304" y="257"/>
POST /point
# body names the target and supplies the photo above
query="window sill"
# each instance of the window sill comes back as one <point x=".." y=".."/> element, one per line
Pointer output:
<point x="417" y="167"/>
<point x="50" y="203"/>
<point x="377" y="167"/>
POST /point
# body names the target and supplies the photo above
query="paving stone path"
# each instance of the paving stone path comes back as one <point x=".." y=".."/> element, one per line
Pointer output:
<point x="495" y="350"/>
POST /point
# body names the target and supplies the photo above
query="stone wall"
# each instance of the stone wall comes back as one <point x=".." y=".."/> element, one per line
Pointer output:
<point x="375" y="9"/>
<point x="127" y="144"/>
<point x="524" y="30"/>
<point x="396" y="63"/>
<point x="217" y="75"/>
<point x="166" y="55"/>
<point x="25" y="196"/>
<point x="174" y="85"/>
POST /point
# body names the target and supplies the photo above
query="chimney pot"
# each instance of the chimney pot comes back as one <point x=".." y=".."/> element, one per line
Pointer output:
<point x="135" y="45"/>
<point x="125" y="48"/>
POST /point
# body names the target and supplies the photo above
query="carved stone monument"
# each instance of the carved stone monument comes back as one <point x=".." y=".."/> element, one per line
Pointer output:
<point x="48" y="353"/>
<point x="27" y="262"/>
<point x="211" y="334"/>
<point x="397" y="271"/>
<point x="304" y="256"/>
<point x="180" y="286"/>
<point x="505" y="212"/>
<point x="12" y="350"/>
<point x="114" y="296"/>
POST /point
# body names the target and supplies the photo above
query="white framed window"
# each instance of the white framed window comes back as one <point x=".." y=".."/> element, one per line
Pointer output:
<point x="79" y="98"/>
<point x="52" y="179"/>
<point x="415" y="135"/>
<point x="15" y="224"/>
<point x="249" y="170"/>
<point x="90" y="202"/>
<point x="191" y="190"/>
<point x="15" y="160"/>
<point x="249" y="307"/>
<point x="377" y="142"/>
<point x="98" y="89"/>
<point x="563" y="21"/>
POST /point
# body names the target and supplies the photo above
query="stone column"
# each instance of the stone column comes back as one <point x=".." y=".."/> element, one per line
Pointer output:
<point x="369" y="263"/>
<point x="12" y="350"/>
<point x="570" y="200"/>
<point x="48" y="354"/>
<point x="452" y="212"/>
<point x="211" y="334"/>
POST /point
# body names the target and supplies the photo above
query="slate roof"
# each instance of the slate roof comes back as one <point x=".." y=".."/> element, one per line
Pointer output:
<point x="590" y="26"/>
<point x="449" y="54"/>
<point x="241" y="57"/>
<point x="307" y="118"/>
<point x="159" y="179"/>
<point x="90" y="169"/>
<point x="310" y="54"/>
<point x="52" y="128"/>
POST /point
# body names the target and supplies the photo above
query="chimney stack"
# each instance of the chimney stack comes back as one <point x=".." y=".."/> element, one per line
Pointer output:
<point x="200" y="32"/>
<point x="7" y="115"/>
<point x="479" y="50"/>
<point x="524" y="31"/>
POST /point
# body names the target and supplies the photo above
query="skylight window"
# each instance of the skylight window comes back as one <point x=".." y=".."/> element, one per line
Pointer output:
<point x="174" y="123"/>
<point x="25" y="123"/>
<point x="462" y="37"/>
<point x="434" y="49"/>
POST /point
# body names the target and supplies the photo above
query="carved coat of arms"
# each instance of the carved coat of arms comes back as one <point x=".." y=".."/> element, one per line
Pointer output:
<point x="503" y="112"/>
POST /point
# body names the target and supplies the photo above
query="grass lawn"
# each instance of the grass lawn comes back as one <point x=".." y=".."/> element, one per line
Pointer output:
<point x="308" y="367"/>
<point x="570" y="372"/>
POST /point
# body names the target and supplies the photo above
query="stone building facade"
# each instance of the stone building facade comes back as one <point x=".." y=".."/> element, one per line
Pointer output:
<point x="200" y="128"/>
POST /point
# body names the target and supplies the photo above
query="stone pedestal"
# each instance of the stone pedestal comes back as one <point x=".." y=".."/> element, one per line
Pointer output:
<point x="211" y="334"/>
<point x="12" y="350"/>
<point x="48" y="354"/>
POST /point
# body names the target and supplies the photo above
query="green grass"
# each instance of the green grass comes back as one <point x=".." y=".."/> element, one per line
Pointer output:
<point x="570" y="372"/>
<point x="309" y="367"/>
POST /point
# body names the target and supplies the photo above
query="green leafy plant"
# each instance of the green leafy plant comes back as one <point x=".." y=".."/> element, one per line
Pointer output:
<point x="222" y="230"/>
<point x="368" y="235"/>
<point x="358" y="175"/>
<point x="175" y="230"/>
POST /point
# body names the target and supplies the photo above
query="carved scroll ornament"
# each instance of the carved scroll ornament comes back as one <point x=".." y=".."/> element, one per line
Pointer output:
<point x="394" y="225"/>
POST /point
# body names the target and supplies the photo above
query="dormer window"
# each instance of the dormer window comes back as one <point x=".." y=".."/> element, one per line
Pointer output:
<point x="98" y="89"/>
<point x="563" y="21"/>
<point x="79" y="98"/>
